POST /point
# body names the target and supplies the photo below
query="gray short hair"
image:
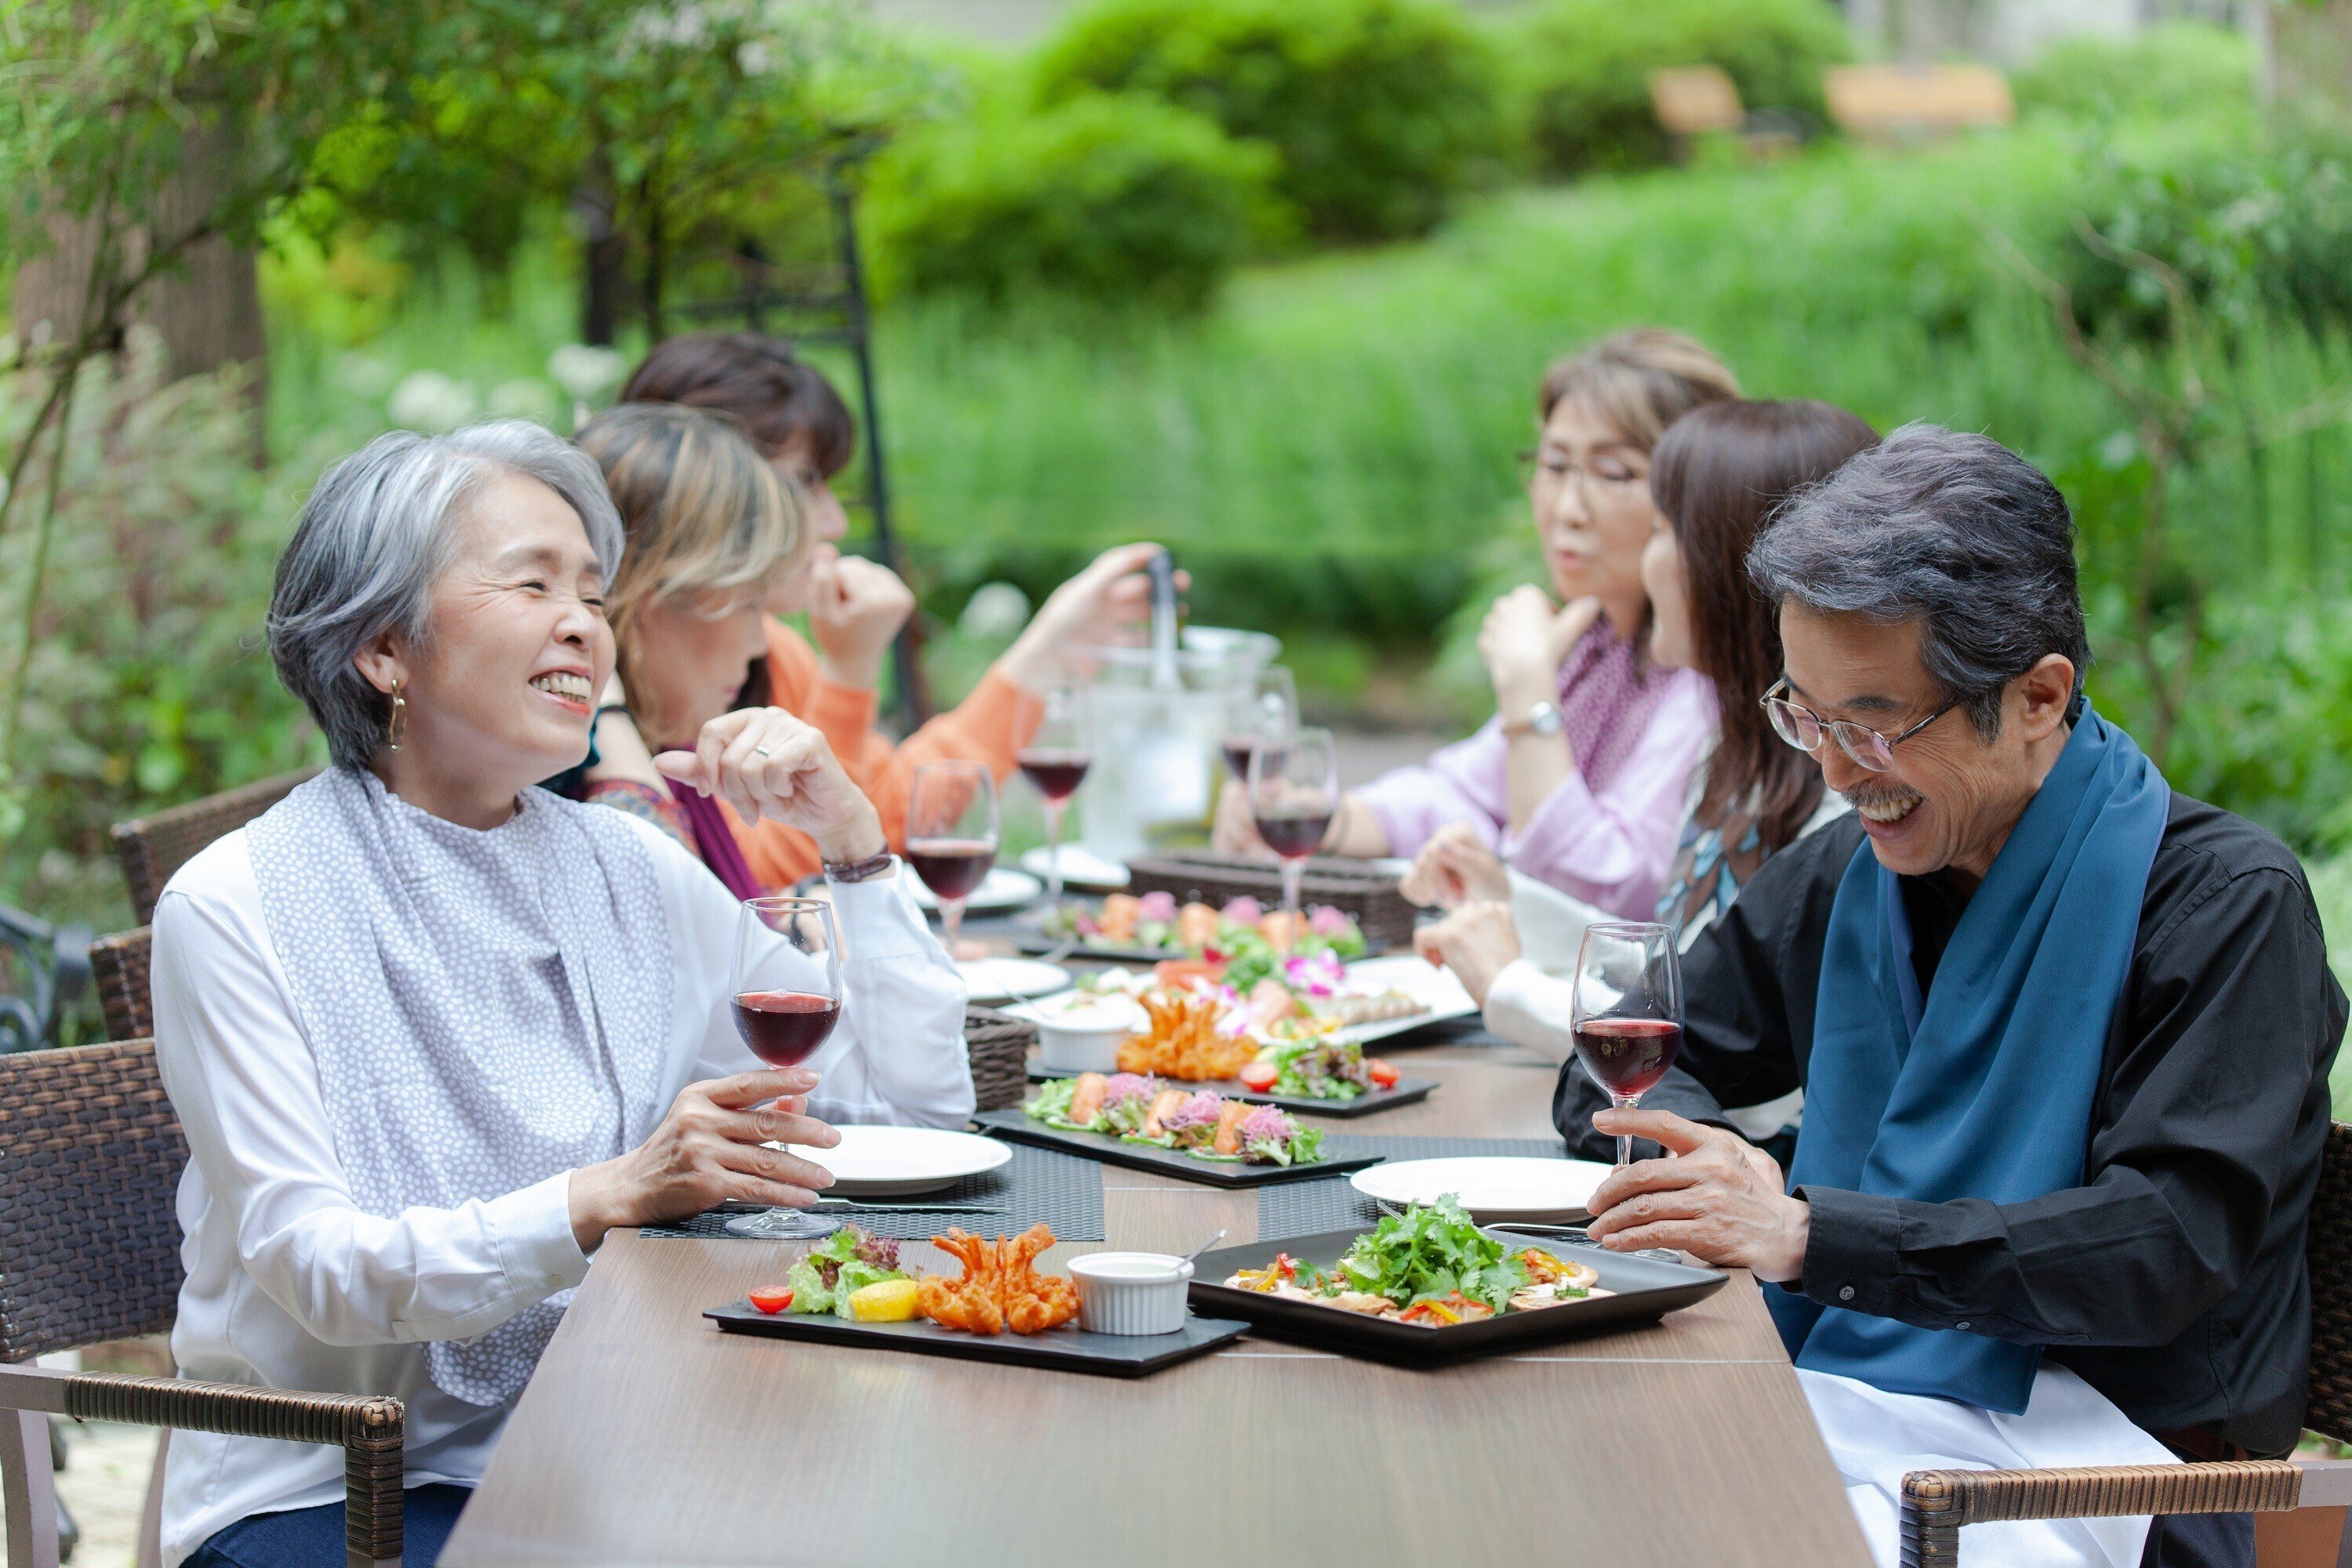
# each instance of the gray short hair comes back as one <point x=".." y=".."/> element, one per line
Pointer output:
<point x="371" y="539"/>
<point x="1950" y="530"/>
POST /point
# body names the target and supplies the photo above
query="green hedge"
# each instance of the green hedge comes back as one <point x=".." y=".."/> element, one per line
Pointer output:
<point x="1380" y="110"/>
<point x="1582" y="69"/>
<point x="2177" y="68"/>
<point x="1114" y="198"/>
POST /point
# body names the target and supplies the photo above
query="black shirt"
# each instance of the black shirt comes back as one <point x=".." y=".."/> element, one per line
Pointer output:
<point x="2172" y="1280"/>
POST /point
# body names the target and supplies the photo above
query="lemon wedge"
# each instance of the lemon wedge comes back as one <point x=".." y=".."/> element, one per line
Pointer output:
<point x="883" y="1301"/>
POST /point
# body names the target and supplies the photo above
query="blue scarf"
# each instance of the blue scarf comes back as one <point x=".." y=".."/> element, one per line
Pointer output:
<point x="1986" y="1088"/>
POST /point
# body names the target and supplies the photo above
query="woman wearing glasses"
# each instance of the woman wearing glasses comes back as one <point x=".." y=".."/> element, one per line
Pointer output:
<point x="1578" y="779"/>
<point x="1718" y="475"/>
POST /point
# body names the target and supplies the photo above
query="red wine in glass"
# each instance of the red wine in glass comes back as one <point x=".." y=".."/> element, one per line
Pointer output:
<point x="1627" y="1056"/>
<point x="1240" y="749"/>
<point x="951" y="868"/>
<point x="1057" y="772"/>
<point x="783" y="1027"/>
<point x="1294" y="835"/>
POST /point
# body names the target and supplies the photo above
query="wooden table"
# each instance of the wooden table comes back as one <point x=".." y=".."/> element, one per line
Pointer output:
<point x="648" y="1437"/>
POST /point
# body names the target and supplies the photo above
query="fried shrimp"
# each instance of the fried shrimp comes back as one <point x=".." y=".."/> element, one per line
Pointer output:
<point x="999" y="1288"/>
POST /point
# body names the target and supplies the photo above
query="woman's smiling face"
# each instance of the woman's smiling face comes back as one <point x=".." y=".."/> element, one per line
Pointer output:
<point x="505" y="683"/>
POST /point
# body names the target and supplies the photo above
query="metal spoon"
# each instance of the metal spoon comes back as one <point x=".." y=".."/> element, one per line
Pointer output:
<point x="1203" y="1246"/>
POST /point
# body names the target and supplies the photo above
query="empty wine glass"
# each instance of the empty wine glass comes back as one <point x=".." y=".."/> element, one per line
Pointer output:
<point x="786" y="981"/>
<point x="1627" y="1010"/>
<point x="951" y="835"/>
<point x="1293" y="793"/>
<point x="1056" y="760"/>
<point x="1262" y="711"/>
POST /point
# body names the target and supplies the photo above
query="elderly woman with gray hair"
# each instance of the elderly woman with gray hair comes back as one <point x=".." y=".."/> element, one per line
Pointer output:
<point x="433" y="1031"/>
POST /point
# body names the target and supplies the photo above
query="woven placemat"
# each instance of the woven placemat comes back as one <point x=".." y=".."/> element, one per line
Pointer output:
<point x="1305" y="1208"/>
<point x="1062" y="1190"/>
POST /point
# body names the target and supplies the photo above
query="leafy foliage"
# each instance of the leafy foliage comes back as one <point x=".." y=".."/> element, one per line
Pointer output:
<point x="1379" y="110"/>
<point x="148" y="684"/>
<point x="2172" y="70"/>
<point x="1582" y="69"/>
<point x="1114" y="199"/>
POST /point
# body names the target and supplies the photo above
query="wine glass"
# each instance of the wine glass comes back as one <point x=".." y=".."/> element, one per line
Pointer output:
<point x="787" y="987"/>
<point x="1056" y="760"/>
<point x="1627" y="1010"/>
<point x="951" y="835"/>
<point x="1262" y="711"/>
<point x="1293" y="793"/>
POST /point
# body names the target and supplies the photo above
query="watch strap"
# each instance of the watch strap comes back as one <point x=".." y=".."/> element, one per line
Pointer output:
<point x="1540" y="719"/>
<point x="863" y="870"/>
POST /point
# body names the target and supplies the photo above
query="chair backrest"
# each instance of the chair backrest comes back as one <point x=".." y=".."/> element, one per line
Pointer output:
<point x="118" y="968"/>
<point x="1911" y="101"/>
<point x="1690" y="101"/>
<point x="90" y="1155"/>
<point x="149" y="849"/>
<point x="2327" y="1248"/>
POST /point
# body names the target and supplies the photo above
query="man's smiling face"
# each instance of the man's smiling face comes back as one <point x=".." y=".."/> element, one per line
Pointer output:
<point x="1951" y="798"/>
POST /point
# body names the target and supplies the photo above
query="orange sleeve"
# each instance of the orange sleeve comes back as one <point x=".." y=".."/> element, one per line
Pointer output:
<point x="990" y="726"/>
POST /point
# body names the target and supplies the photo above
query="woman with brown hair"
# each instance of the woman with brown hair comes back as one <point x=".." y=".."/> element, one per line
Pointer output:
<point x="798" y="422"/>
<point x="1577" y="781"/>
<point x="1718" y="475"/>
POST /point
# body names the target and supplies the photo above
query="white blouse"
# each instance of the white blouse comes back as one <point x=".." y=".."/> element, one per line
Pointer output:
<point x="290" y="1286"/>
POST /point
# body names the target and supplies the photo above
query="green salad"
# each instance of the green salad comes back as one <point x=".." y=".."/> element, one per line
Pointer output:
<point x="1428" y="1255"/>
<point x="840" y="1265"/>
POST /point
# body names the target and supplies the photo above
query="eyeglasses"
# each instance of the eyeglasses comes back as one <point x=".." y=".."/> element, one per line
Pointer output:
<point x="1803" y="728"/>
<point x="1534" y="473"/>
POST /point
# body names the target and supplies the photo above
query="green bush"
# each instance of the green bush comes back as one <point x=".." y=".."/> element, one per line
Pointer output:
<point x="1582" y="69"/>
<point x="1108" y="198"/>
<point x="1381" y="110"/>
<point x="2174" y="70"/>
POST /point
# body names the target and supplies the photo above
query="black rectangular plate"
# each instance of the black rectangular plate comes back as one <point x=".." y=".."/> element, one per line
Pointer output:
<point x="1017" y="1125"/>
<point x="1408" y="1091"/>
<point x="1061" y="1350"/>
<point x="1029" y="939"/>
<point x="1646" y="1290"/>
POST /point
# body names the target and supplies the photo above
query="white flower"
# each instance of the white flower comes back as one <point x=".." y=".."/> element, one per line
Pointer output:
<point x="994" y="610"/>
<point x="366" y="375"/>
<point x="583" y="370"/>
<point x="427" y="400"/>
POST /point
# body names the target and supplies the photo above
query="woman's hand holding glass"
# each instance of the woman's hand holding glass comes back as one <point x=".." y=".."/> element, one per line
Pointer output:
<point x="708" y="1151"/>
<point x="765" y="763"/>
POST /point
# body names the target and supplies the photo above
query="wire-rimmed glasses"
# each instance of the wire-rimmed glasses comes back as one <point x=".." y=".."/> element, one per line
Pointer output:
<point x="1803" y="728"/>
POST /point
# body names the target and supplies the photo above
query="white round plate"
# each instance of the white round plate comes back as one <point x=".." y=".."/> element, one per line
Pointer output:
<point x="1491" y="1189"/>
<point x="1002" y="888"/>
<point x="898" y="1162"/>
<point x="1010" y="979"/>
<point x="1081" y="869"/>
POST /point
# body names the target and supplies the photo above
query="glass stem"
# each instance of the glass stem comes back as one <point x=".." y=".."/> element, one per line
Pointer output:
<point x="951" y="923"/>
<point x="1053" y="809"/>
<point x="1624" y="1140"/>
<point x="1293" y="872"/>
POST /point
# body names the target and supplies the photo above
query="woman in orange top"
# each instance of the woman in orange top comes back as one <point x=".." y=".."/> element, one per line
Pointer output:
<point x="855" y="607"/>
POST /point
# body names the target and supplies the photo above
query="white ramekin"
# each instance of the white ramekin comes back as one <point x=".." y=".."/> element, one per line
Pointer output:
<point x="1084" y="1040"/>
<point x="1130" y="1292"/>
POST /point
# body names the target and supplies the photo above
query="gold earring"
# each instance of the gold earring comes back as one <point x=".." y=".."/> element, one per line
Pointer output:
<point x="399" y="719"/>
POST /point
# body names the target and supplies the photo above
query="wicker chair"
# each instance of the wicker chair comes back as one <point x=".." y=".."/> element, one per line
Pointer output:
<point x="118" y="966"/>
<point x="149" y="849"/>
<point x="1936" y="1503"/>
<point x="90" y="1155"/>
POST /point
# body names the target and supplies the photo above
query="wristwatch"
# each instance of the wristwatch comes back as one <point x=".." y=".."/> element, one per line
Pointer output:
<point x="863" y="870"/>
<point x="1543" y="719"/>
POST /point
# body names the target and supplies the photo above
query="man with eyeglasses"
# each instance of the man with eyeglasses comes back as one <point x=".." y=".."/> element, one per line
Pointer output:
<point x="2064" y="1037"/>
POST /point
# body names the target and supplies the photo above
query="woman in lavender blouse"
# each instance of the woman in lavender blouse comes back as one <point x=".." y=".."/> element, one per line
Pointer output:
<point x="1579" y="779"/>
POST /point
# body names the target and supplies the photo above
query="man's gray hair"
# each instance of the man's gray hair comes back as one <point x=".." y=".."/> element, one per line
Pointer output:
<point x="1953" y="530"/>
<point x="374" y="534"/>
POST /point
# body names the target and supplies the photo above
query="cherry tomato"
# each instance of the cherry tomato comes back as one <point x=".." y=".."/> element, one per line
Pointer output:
<point x="773" y="1298"/>
<point x="1384" y="1074"/>
<point x="1258" y="1076"/>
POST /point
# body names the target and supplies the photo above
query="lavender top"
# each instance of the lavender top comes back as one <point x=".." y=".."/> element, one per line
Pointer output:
<point x="1607" y="834"/>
